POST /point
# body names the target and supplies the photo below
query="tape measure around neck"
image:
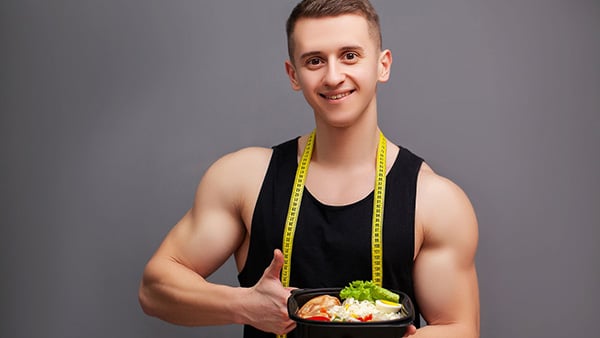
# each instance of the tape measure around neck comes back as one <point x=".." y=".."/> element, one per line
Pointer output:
<point x="296" y="198"/>
<point x="294" y="209"/>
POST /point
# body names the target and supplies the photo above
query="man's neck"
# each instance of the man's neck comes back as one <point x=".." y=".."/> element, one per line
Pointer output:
<point x="346" y="147"/>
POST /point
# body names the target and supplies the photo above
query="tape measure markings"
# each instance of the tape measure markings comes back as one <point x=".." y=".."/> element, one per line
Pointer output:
<point x="294" y="208"/>
<point x="378" y="203"/>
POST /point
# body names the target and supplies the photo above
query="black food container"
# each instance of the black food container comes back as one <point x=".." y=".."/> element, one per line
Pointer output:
<point x="316" y="329"/>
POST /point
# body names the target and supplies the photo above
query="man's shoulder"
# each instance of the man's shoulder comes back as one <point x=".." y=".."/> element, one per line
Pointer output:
<point x="432" y="184"/>
<point x="443" y="208"/>
<point x="242" y="161"/>
<point x="236" y="176"/>
<point x="250" y="153"/>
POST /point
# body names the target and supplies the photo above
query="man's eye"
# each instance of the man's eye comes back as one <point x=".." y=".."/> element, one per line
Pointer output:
<point x="314" y="62"/>
<point x="350" y="56"/>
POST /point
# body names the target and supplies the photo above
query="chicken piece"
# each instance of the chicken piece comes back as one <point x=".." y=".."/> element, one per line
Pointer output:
<point x="316" y="306"/>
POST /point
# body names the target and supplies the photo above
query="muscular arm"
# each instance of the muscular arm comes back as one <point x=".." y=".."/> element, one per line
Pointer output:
<point x="174" y="286"/>
<point x="444" y="272"/>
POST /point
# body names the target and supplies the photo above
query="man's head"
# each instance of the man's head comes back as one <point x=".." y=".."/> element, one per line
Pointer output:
<point x="337" y="62"/>
<point x="332" y="8"/>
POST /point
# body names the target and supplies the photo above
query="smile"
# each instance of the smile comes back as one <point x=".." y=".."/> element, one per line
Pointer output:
<point x="337" y="96"/>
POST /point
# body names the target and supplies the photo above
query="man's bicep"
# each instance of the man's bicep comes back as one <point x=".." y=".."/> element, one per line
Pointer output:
<point x="446" y="290"/>
<point x="444" y="272"/>
<point x="203" y="244"/>
<point x="211" y="231"/>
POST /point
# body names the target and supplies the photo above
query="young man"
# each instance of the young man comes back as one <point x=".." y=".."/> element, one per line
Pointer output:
<point x="429" y="231"/>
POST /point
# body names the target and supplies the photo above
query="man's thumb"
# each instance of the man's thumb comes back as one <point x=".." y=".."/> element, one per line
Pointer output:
<point x="274" y="269"/>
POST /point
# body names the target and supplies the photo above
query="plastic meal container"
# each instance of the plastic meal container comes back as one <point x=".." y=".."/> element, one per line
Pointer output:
<point x="317" y="329"/>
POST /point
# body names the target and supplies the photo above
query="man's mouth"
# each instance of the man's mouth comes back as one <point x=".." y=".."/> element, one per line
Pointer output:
<point x="337" y="96"/>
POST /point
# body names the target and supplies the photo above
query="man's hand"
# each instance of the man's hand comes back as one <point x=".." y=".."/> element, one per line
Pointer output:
<point x="267" y="310"/>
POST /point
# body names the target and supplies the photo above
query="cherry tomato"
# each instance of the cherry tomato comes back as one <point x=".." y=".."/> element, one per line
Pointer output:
<point x="366" y="318"/>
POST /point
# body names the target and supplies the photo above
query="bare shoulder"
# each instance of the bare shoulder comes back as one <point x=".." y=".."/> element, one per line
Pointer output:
<point x="234" y="181"/>
<point x="444" y="212"/>
<point x="236" y="172"/>
<point x="246" y="160"/>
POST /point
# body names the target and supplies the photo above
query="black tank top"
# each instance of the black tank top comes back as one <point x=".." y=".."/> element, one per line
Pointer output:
<point x="332" y="244"/>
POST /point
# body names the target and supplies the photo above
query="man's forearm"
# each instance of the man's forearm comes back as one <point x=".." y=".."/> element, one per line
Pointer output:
<point x="178" y="295"/>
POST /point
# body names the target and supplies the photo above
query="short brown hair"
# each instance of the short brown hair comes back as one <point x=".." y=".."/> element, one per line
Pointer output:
<point x="325" y="8"/>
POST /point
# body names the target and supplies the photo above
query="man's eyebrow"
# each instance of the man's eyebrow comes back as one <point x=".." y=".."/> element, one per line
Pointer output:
<point x="309" y="54"/>
<point x="342" y="49"/>
<point x="354" y="48"/>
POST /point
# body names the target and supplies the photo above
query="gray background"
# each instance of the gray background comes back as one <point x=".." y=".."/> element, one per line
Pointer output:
<point x="112" y="110"/>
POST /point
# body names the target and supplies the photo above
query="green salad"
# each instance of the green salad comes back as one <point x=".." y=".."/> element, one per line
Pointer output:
<point x="367" y="290"/>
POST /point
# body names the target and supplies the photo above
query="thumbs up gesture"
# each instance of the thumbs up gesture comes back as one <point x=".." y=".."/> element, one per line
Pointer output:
<point x="273" y="271"/>
<point x="266" y="307"/>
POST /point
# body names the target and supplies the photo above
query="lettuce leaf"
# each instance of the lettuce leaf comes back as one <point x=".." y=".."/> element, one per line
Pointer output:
<point x="367" y="290"/>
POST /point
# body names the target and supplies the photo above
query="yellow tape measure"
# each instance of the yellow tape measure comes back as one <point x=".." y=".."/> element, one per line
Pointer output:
<point x="296" y="199"/>
<point x="294" y="208"/>
<point x="378" y="203"/>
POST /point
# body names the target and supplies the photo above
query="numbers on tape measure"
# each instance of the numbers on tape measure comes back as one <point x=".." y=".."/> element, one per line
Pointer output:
<point x="378" y="203"/>
<point x="294" y="208"/>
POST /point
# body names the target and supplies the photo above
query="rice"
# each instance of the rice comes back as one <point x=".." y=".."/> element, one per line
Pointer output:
<point x="352" y="310"/>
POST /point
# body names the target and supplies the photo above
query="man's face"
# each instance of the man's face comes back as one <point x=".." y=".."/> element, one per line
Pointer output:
<point x="337" y="65"/>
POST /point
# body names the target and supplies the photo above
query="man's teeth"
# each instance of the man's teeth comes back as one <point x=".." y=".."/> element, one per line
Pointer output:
<point x="338" y="96"/>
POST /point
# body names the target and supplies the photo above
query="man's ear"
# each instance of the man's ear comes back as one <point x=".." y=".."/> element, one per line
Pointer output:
<point x="385" y="65"/>
<point x="291" y="72"/>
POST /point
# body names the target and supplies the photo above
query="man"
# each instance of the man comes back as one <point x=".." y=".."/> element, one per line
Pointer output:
<point x="429" y="228"/>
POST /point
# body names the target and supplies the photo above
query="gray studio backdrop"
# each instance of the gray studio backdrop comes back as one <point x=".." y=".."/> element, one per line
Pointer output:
<point x="112" y="110"/>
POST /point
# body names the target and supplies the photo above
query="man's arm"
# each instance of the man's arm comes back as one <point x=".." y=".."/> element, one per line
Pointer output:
<point x="444" y="273"/>
<point x="174" y="286"/>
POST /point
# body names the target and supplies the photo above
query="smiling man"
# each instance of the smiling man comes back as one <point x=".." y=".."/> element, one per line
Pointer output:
<point x="334" y="178"/>
<point x="337" y="65"/>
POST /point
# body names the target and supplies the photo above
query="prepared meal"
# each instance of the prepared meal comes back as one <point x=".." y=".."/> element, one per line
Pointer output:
<point x="363" y="301"/>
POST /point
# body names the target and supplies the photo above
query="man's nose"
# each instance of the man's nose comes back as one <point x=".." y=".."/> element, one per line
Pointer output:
<point x="335" y="75"/>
